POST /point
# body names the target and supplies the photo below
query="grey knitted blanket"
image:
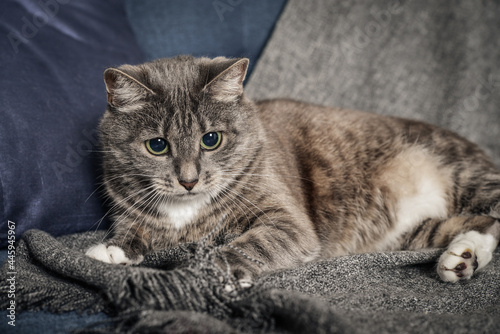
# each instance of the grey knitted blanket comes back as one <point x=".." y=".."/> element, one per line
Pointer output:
<point x="435" y="61"/>
<point x="179" y="290"/>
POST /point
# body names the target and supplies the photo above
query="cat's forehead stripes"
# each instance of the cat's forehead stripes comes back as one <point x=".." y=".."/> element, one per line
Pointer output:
<point x="173" y="79"/>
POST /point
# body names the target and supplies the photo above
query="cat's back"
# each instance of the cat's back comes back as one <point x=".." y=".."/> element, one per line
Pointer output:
<point x="290" y="113"/>
<point x="337" y="135"/>
<point x="363" y="136"/>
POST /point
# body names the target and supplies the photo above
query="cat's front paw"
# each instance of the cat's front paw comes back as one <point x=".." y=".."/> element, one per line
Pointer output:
<point x="242" y="273"/>
<point x="111" y="254"/>
<point x="238" y="285"/>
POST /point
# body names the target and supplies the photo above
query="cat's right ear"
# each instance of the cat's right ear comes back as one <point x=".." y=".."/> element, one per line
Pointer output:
<point x="227" y="85"/>
<point x="124" y="89"/>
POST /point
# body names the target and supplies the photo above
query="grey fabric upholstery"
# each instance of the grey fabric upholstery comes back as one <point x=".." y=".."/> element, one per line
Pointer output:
<point x="436" y="61"/>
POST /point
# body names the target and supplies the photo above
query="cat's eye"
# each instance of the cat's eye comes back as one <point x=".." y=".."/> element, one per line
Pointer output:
<point x="157" y="146"/>
<point x="211" y="141"/>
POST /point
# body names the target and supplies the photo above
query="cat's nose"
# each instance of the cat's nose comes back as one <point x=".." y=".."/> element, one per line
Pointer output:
<point x="189" y="185"/>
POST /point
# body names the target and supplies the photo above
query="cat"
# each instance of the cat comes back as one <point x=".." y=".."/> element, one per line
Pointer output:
<point x="185" y="151"/>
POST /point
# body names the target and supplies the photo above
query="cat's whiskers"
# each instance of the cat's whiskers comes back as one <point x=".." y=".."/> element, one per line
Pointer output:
<point x="222" y="191"/>
<point x="227" y="207"/>
<point x="251" y="203"/>
<point x="151" y="204"/>
<point x="126" y="213"/>
<point x="110" y="210"/>
<point x="144" y="201"/>
<point x="123" y="216"/>
<point x="215" y="196"/>
<point x="263" y="188"/>
<point x="103" y="184"/>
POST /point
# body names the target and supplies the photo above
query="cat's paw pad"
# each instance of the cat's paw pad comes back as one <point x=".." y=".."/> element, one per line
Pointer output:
<point x="454" y="266"/>
<point x="111" y="254"/>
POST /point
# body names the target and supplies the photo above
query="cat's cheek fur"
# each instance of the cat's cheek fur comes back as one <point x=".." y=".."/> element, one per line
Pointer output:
<point x="467" y="253"/>
<point x="111" y="254"/>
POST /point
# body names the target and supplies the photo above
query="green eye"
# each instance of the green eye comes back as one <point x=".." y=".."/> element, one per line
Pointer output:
<point x="157" y="146"/>
<point x="211" y="141"/>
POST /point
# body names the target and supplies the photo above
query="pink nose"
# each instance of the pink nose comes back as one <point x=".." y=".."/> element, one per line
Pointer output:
<point x="189" y="185"/>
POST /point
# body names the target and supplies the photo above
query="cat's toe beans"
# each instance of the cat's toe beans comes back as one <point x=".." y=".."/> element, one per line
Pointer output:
<point x="453" y="267"/>
<point x="466" y="255"/>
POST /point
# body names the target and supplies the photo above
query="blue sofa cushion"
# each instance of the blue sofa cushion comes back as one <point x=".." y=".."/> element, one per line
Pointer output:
<point x="231" y="28"/>
<point x="52" y="56"/>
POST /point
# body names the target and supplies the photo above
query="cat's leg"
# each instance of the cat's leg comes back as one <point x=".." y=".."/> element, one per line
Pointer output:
<point x="275" y="245"/>
<point x="127" y="247"/>
<point x="470" y="242"/>
<point x="476" y="236"/>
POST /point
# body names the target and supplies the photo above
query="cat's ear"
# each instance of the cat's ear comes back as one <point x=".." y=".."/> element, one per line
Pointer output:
<point x="227" y="85"/>
<point x="124" y="88"/>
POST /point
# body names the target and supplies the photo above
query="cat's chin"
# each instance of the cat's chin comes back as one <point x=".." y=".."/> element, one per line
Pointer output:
<point x="189" y="196"/>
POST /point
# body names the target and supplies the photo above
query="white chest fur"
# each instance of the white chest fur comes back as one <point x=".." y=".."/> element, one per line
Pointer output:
<point x="181" y="213"/>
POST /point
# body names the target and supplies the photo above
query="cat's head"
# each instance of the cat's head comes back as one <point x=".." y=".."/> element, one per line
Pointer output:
<point x="176" y="130"/>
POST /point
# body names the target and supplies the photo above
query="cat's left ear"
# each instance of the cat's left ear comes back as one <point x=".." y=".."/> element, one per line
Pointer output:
<point x="227" y="86"/>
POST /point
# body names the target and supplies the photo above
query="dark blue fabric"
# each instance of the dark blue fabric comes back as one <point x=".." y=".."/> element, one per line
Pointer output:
<point x="231" y="28"/>
<point x="49" y="323"/>
<point x="52" y="56"/>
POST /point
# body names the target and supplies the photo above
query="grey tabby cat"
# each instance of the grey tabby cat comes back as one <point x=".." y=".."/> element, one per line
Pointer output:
<point x="186" y="150"/>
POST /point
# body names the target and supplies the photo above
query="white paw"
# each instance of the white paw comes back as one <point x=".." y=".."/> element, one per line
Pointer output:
<point x="243" y="284"/>
<point x="457" y="264"/>
<point x="110" y="254"/>
<point x="467" y="253"/>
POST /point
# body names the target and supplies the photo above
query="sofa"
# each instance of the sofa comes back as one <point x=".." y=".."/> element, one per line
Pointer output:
<point x="428" y="61"/>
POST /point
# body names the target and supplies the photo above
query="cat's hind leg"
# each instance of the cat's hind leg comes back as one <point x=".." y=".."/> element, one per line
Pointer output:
<point x="469" y="242"/>
<point x="477" y="232"/>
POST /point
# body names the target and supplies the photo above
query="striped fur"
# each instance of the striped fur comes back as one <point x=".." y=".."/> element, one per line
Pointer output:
<point x="294" y="182"/>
